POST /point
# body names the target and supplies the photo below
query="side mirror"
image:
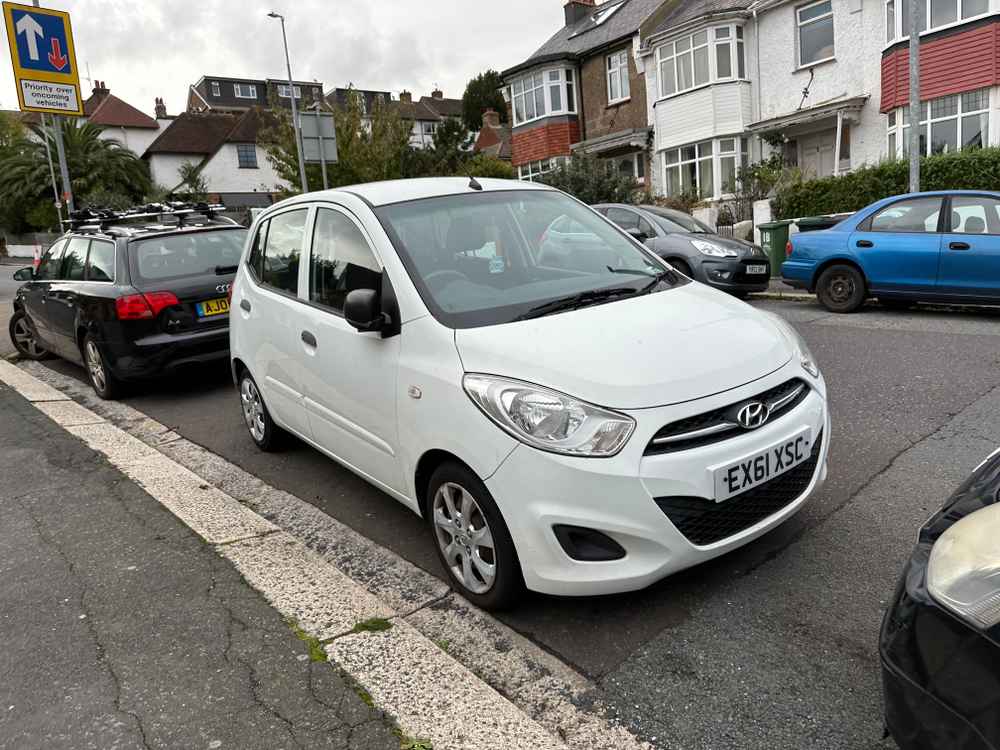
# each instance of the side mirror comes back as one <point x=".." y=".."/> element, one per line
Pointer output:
<point x="363" y="310"/>
<point x="636" y="234"/>
<point x="24" y="274"/>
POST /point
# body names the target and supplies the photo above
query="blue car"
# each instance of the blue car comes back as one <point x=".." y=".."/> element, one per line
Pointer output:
<point x="939" y="247"/>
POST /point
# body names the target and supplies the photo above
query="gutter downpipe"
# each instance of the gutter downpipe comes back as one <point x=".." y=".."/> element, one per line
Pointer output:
<point x="756" y="45"/>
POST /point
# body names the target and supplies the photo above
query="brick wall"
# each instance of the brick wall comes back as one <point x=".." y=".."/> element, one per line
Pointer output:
<point x="601" y="119"/>
<point x="963" y="59"/>
<point x="549" y="138"/>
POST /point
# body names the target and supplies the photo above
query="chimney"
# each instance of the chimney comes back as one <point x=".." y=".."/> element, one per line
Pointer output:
<point x="406" y="96"/>
<point x="577" y="10"/>
<point x="491" y="118"/>
<point x="437" y="94"/>
<point x="100" y="90"/>
<point x="161" y="109"/>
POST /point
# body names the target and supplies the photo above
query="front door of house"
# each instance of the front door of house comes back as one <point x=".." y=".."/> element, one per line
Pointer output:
<point x="818" y="153"/>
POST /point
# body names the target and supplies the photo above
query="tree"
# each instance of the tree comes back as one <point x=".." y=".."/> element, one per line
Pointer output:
<point x="592" y="180"/>
<point x="482" y="93"/>
<point x="450" y="147"/>
<point x="98" y="168"/>
<point x="482" y="165"/>
<point x="193" y="186"/>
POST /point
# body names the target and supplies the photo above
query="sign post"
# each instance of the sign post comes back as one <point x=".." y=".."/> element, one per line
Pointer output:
<point x="319" y="139"/>
<point x="45" y="72"/>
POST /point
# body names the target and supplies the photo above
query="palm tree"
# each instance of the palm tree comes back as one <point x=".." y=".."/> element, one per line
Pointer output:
<point x="97" y="166"/>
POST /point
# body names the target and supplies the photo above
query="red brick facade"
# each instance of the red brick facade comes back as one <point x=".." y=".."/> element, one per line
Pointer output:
<point x="952" y="63"/>
<point x="545" y="139"/>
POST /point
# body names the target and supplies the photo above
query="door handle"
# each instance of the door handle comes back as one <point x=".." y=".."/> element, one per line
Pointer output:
<point x="309" y="339"/>
<point x="865" y="243"/>
<point x="245" y="305"/>
<point x="959" y="245"/>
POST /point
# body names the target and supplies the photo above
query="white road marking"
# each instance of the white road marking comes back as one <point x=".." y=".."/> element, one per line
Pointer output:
<point x="456" y="708"/>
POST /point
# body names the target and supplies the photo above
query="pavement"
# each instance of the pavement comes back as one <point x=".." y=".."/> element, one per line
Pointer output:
<point x="122" y="629"/>
<point x="772" y="646"/>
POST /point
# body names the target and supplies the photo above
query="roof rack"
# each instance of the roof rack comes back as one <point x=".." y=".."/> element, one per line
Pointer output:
<point x="101" y="218"/>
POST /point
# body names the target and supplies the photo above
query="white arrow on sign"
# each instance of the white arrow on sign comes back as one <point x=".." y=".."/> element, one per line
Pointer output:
<point x="31" y="30"/>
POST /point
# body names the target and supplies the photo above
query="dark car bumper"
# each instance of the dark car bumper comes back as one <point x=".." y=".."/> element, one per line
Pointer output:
<point x="731" y="275"/>
<point x="940" y="675"/>
<point x="163" y="353"/>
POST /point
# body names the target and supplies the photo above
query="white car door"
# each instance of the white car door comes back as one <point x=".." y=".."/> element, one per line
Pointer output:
<point x="350" y="378"/>
<point x="273" y="318"/>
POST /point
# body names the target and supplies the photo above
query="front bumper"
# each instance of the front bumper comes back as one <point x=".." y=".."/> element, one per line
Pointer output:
<point x="730" y="274"/>
<point x="537" y="491"/>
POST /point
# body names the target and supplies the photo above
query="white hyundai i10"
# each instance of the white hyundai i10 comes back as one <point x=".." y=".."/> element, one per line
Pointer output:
<point x="574" y="417"/>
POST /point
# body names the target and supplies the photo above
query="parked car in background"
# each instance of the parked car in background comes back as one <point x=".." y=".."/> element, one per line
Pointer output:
<point x="693" y="248"/>
<point x="940" y="641"/>
<point x="921" y="247"/>
<point x="574" y="426"/>
<point x="131" y="297"/>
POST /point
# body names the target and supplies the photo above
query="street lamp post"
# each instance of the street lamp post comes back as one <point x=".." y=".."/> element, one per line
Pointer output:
<point x="295" y="109"/>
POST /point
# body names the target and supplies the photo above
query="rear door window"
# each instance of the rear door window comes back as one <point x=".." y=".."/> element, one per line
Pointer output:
<point x="974" y="214"/>
<point x="282" y="249"/>
<point x="257" y="250"/>
<point x="101" y="262"/>
<point x="187" y="254"/>
<point x="623" y="218"/>
<point x="74" y="259"/>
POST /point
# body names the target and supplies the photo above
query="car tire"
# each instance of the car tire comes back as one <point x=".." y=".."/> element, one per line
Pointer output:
<point x="842" y="289"/>
<point x="23" y="339"/>
<point x="266" y="435"/>
<point x="102" y="380"/>
<point x="682" y="267"/>
<point x="464" y="520"/>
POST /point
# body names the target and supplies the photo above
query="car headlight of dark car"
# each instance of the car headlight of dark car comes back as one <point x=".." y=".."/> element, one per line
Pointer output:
<point x="963" y="573"/>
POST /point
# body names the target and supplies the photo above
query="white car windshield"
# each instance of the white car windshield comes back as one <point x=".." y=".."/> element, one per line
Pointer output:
<point x="486" y="258"/>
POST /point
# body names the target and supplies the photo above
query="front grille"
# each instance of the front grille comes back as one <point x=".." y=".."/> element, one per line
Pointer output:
<point x="720" y="424"/>
<point x="704" y="521"/>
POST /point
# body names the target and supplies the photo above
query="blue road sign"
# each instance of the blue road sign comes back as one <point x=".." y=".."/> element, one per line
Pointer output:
<point x="42" y="42"/>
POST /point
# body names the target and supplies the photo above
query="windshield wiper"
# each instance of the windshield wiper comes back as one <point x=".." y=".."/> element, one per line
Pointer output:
<point x="632" y="271"/>
<point x="667" y="274"/>
<point x="575" y="301"/>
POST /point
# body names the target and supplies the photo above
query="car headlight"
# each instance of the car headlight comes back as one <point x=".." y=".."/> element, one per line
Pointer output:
<point x="710" y="248"/>
<point x="963" y="573"/>
<point x="547" y="419"/>
<point x="802" y="353"/>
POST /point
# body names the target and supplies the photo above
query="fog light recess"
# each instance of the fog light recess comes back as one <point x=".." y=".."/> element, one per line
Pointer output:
<point x="587" y="545"/>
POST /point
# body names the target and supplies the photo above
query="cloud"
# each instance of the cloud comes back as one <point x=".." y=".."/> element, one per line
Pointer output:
<point x="160" y="47"/>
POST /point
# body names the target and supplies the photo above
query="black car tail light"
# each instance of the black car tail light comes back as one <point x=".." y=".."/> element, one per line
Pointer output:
<point x="144" y="306"/>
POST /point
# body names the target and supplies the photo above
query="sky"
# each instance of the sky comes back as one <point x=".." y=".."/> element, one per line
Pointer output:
<point x="143" y="49"/>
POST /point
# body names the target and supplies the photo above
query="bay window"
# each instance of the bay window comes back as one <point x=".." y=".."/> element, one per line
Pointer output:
<point x="708" y="56"/>
<point x="618" y="83"/>
<point x="815" y="32"/>
<point x="934" y="14"/>
<point x="545" y="93"/>
<point x="947" y="124"/>
<point x="709" y="168"/>
<point x="534" y="169"/>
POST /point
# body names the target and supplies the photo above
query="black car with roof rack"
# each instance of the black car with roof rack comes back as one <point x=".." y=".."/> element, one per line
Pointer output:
<point x="131" y="294"/>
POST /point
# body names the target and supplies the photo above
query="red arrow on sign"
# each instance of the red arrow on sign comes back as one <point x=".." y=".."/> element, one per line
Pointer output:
<point x="56" y="57"/>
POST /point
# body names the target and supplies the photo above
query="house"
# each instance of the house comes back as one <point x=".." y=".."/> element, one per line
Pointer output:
<point x="427" y="114"/>
<point x="338" y="99"/>
<point x="494" y="137"/>
<point x="121" y="121"/>
<point x="583" y="90"/>
<point x="221" y="94"/>
<point x="224" y="145"/>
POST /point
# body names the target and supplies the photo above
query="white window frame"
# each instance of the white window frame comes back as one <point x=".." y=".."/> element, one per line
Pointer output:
<point x="901" y="21"/>
<point x="283" y="91"/>
<point x="251" y="88"/>
<point x="528" y="172"/>
<point x="216" y="88"/>
<point x="616" y="66"/>
<point x="545" y="80"/>
<point x="739" y="153"/>
<point x="897" y="123"/>
<point x="666" y="54"/>
<point x="245" y="148"/>
<point x="800" y="24"/>
<point x="635" y="159"/>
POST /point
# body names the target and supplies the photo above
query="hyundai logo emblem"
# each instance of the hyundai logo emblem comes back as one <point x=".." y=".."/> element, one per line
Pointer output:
<point x="222" y="288"/>
<point x="753" y="415"/>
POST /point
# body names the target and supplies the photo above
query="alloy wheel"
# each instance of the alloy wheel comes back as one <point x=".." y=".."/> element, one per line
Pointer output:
<point x="24" y="340"/>
<point x="253" y="409"/>
<point x="464" y="536"/>
<point x="95" y="365"/>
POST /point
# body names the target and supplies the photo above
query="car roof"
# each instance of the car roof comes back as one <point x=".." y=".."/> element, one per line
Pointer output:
<point x="397" y="191"/>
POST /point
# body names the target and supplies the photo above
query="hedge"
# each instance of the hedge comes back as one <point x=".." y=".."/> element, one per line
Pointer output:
<point x="972" y="169"/>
